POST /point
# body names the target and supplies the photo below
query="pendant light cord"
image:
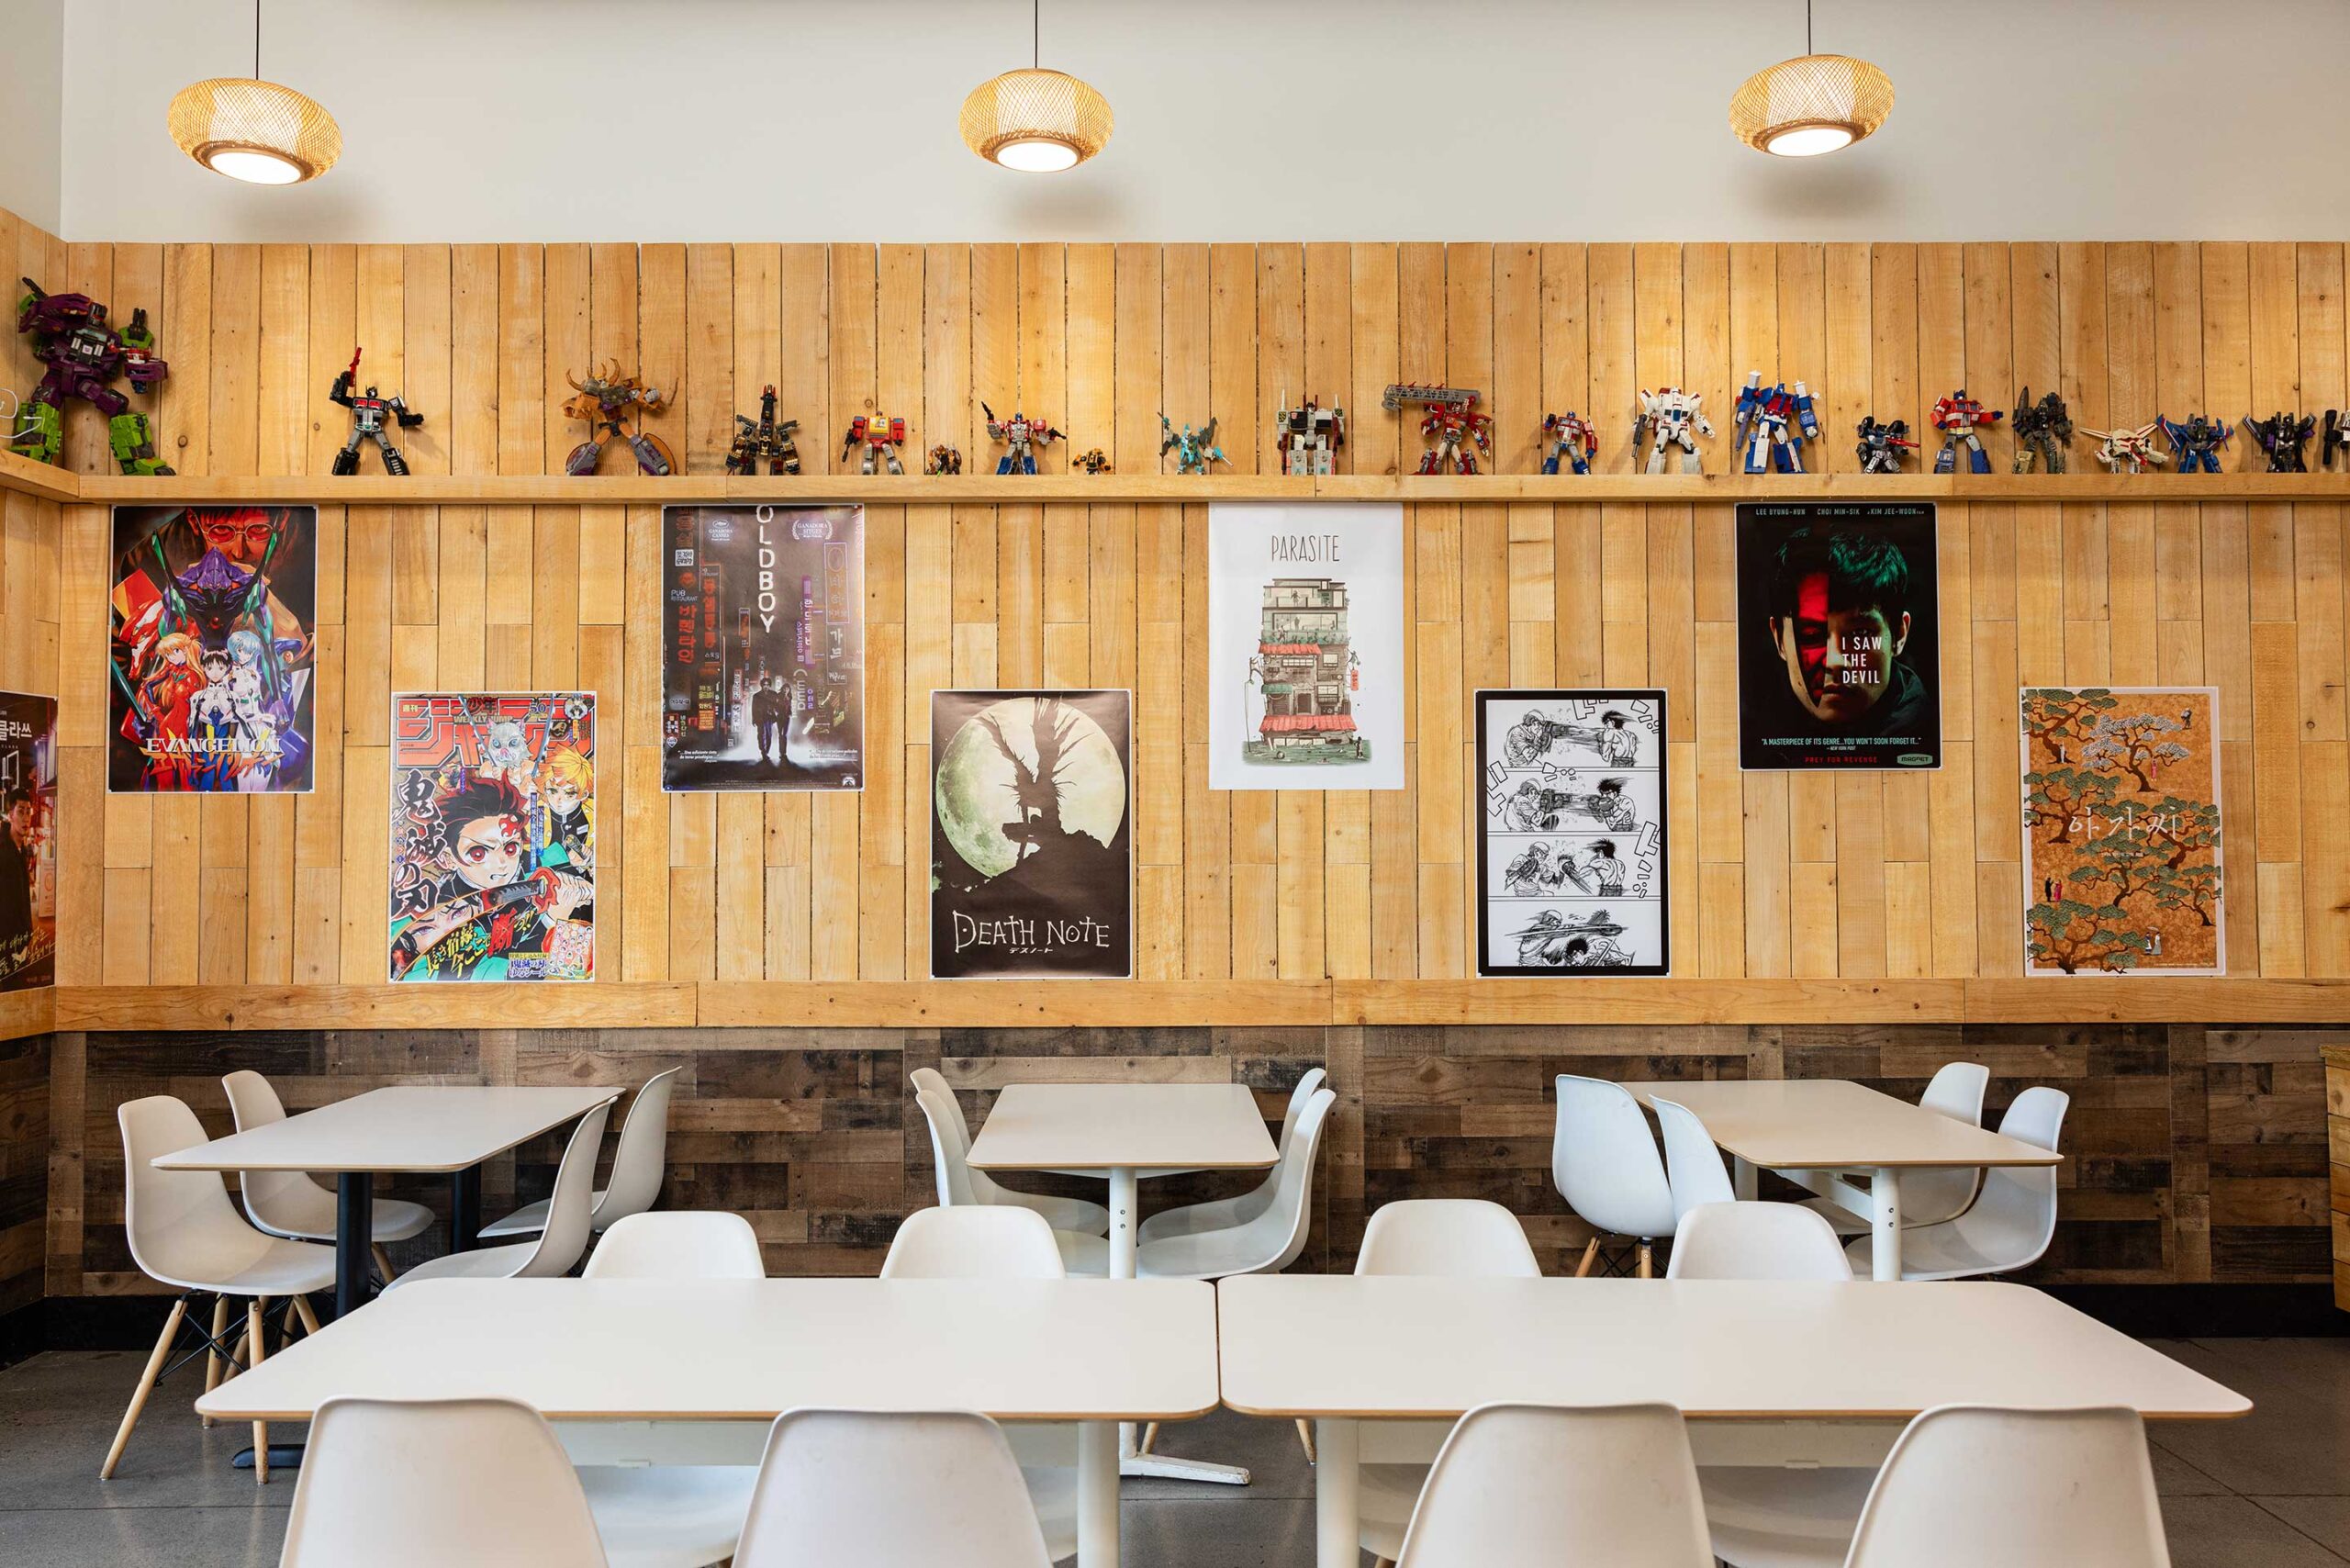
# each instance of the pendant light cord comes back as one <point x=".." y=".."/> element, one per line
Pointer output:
<point x="256" y="41"/>
<point x="1037" y="33"/>
<point x="1807" y="24"/>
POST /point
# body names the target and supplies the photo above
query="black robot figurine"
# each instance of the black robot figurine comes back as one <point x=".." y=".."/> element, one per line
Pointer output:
<point x="368" y="412"/>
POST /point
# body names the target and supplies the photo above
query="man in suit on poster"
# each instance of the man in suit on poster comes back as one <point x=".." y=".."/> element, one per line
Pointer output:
<point x="17" y="813"/>
<point x="766" y="719"/>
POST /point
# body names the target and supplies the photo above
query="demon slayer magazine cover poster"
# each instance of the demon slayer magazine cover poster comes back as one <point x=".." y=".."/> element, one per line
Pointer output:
<point x="1839" y="638"/>
<point x="2122" y="831"/>
<point x="208" y="668"/>
<point x="763" y="652"/>
<point x="494" y="836"/>
<point x="1570" y="866"/>
<point x="27" y="841"/>
<point x="1030" y="835"/>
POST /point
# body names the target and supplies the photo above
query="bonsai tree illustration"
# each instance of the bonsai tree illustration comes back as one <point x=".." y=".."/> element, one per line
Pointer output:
<point x="2195" y="887"/>
<point x="2135" y="743"/>
<point x="2072" y="936"/>
<point x="2065" y="719"/>
<point x="2062" y="800"/>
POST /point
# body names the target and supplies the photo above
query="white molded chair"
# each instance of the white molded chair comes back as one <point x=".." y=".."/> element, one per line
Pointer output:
<point x="1266" y="1244"/>
<point x="960" y="1186"/>
<point x="1605" y="1163"/>
<point x="1931" y="1197"/>
<point x="639" y="1162"/>
<point x="902" y="1489"/>
<point x="1219" y="1214"/>
<point x="558" y="1247"/>
<point x="1693" y="1164"/>
<point x="1732" y="1241"/>
<point x="183" y="1231"/>
<point x="391" y="1484"/>
<point x="1969" y="1485"/>
<point x="1461" y="1237"/>
<point x="2010" y="1225"/>
<point x="299" y="1207"/>
<point x="1537" y="1486"/>
<point x="678" y="1244"/>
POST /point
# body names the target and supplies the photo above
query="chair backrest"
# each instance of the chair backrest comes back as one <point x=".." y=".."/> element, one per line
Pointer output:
<point x="950" y="1146"/>
<point x="1283" y="1226"/>
<point x="894" y="1490"/>
<point x="2015" y="1219"/>
<point x="570" y="1210"/>
<point x="270" y="1196"/>
<point x="391" y="1484"/>
<point x="1692" y="1165"/>
<point x="1756" y="1241"/>
<point x="1969" y="1485"/>
<point x="1301" y="1094"/>
<point x="641" y="1158"/>
<point x="182" y="1228"/>
<point x="1604" y="1159"/>
<point x="930" y="1078"/>
<point x="1535" y="1486"/>
<point x="678" y="1244"/>
<point x="982" y="1241"/>
<point x="1465" y="1237"/>
<point x="1929" y="1197"/>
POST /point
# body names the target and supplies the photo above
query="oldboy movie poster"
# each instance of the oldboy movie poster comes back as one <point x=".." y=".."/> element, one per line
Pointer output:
<point x="27" y="841"/>
<point x="1032" y="841"/>
<point x="763" y="648"/>
<point x="214" y="610"/>
<point x="1839" y="639"/>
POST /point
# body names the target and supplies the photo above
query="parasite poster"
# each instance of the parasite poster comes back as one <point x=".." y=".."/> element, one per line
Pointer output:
<point x="1306" y="646"/>
<point x="27" y="841"/>
<point x="1571" y="834"/>
<point x="1838" y="661"/>
<point x="493" y="836"/>
<point x="2122" y="832"/>
<point x="214" y="613"/>
<point x="1032" y="842"/>
<point x="763" y="652"/>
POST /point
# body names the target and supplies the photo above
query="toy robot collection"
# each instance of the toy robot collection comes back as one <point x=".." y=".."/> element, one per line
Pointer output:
<point x="2127" y="451"/>
<point x="1195" y="451"/>
<point x="943" y="459"/>
<point x="606" y="402"/>
<point x="1308" y="436"/>
<point x="1571" y="440"/>
<point x="2281" y="437"/>
<point x="2196" y="442"/>
<point x="1093" y="460"/>
<point x="1670" y="415"/>
<point x="1880" y="444"/>
<point x="1772" y="424"/>
<point x="880" y="436"/>
<point x="368" y="410"/>
<point x="764" y="441"/>
<point x="1020" y="437"/>
<point x="2042" y="429"/>
<point x="1958" y="417"/>
<point x="1450" y="423"/>
<point x="80" y="354"/>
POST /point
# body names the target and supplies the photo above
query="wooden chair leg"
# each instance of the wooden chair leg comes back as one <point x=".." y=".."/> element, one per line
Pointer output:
<point x="256" y="1328"/>
<point x="383" y="1262"/>
<point x="146" y="1386"/>
<point x="1149" y="1436"/>
<point x="1647" y="1261"/>
<point x="286" y="1324"/>
<point x="1305" y="1436"/>
<point x="215" y="1367"/>
<point x="310" y="1315"/>
<point x="1590" y="1256"/>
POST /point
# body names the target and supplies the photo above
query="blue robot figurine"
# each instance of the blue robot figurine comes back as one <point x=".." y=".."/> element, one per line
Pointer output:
<point x="1573" y="441"/>
<point x="1772" y="424"/>
<point x="2196" y="441"/>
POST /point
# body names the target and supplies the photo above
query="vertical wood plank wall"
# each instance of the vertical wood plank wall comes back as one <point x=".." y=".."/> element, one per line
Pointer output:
<point x="1858" y="876"/>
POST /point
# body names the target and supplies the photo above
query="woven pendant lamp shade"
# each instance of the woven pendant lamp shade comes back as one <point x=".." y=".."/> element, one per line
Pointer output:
<point x="1036" y="119"/>
<point x="1815" y="103"/>
<point x="254" y="130"/>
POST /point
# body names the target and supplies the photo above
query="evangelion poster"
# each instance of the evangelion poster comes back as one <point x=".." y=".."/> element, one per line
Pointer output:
<point x="27" y="841"/>
<point x="1571" y="848"/>
<point x="208" y="671"/>
<point x="1837" y="639"/>
<point x="1031" y="838"/>
<point x="494" y="836"/>
<point x="763" y="650"/>
<point x="1306" y="646"/>
<point x="2122" y="832"/>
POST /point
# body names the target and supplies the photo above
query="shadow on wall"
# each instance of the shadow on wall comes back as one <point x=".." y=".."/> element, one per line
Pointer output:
<point x="1819" y="189"/>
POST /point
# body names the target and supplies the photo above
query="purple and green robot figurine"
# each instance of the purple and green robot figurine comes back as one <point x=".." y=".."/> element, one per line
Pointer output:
<point x="1880" y="444"/>
<point x="1772" y="424"/>
<point x="80" y="354"/>
<point x="2196" y="441"/>
<point x="1573" y="441"/>
<point x="2282" y="436"/>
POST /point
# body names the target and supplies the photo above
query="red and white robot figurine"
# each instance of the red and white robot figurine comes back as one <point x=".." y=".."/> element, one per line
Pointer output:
<point x="1670" y="415"/>
<point x="1020" y="436"/>
<point x="1957" y="417"/>
<point x="1308" y="436"/>
<point x="880" y="436"/>
<point x="1451" y="422"/>
<point x="2127" y="452"/>
<point x="1573" y="441"/>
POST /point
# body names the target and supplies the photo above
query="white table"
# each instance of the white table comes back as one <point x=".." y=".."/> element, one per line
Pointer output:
<point x="436" y="1130"/>
<point x="614" y="1350"/>
<point x="1833" y="1368"/>
<point x="1822" y="1125"/>
<point x="1122" y="1132"/>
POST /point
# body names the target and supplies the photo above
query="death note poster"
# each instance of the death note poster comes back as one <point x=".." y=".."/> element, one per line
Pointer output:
<point x="1032" y="858"/>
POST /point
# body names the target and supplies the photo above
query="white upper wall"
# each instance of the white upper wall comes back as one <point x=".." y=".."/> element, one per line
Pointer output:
<point x="1432" y="120"/>
<point x="32" y="111"/>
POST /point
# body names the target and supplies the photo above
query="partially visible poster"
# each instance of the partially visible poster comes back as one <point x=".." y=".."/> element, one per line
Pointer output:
<point x="493" y="836"/>
<point x="1571" y="834"/>
<point x="1838" y="661"/>
<point x="2122" y="831"/>
<point x="1032" y="860"/>
<point x="208" y="667"/>
<point x="763" y="648"/>
<point x="27" y="841"/>
<point x="1306" y="645"/>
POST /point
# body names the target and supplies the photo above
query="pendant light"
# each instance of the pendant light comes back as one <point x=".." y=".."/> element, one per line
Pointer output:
<point x="254" y="130"/>
<point x="1036" y="119"/>
<point x="1813" y="104"/>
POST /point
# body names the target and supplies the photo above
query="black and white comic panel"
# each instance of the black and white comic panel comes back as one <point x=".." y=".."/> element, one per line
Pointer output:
<point x="1571" y="833"/>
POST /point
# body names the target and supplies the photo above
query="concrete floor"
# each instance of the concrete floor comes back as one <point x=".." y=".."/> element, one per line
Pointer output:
<point x="2272" y="1490"/>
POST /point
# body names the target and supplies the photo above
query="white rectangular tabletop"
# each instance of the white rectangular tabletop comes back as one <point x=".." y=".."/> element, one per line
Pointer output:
<point x="750" y="1350"/>
<point x="1833" y="1124"/>
<point x="418" y="1128"/>
<point x="1346" y="1347"/>
<point x="1098" y="1127"/>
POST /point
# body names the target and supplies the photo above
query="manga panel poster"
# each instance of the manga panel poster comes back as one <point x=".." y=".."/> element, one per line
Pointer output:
<point x="1839" y="644"/>
<point x="214" y="614"/>
<point x="1306" y="646"/>
<point x="1032" y="842"/>
<point x="763" y="652"/>
<point x="493" y="836"/>
<point x="1571" y="834"/>
<point x="2122" y="831"/>
<point x="27" y="841"/>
